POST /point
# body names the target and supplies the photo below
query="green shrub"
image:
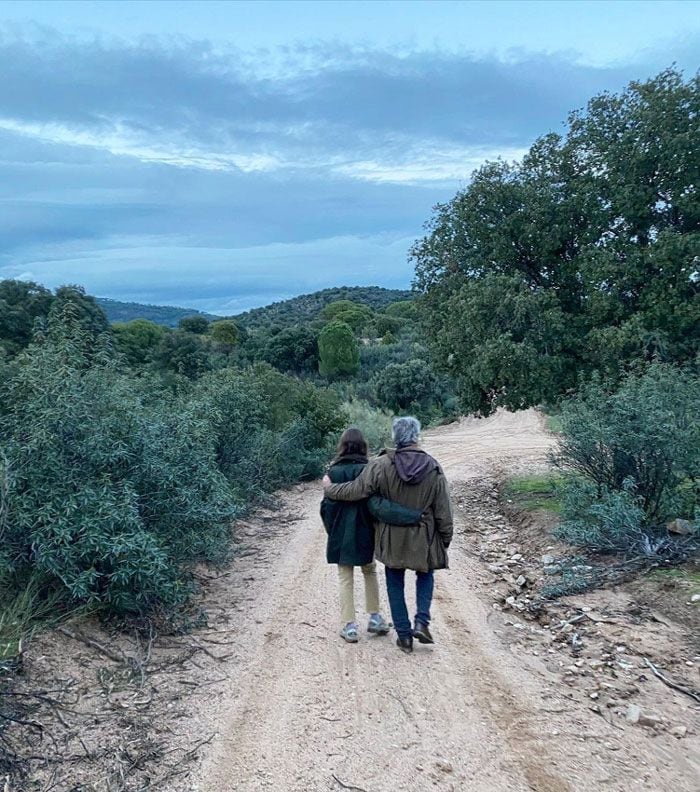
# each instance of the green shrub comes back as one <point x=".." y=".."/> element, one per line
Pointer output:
<point x="138" y="340"/>
<point x="293" y="349"/>
<point x="225" y="332"/>
<point x="403" y="309"/>
<point x="606" y="522"/>
<point x="269" y="429"/>
<point x="194" y="324"/>
<point x="110" y="492"/>
<point x="647" y="433"/>
<point x="374" y="424"/>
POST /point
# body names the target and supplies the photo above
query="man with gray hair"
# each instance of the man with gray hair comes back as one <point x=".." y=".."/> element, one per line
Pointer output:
<point x="408" y="475"/>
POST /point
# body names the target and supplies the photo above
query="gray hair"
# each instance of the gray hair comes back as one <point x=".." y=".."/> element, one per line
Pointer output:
<point x="405" y="431"/>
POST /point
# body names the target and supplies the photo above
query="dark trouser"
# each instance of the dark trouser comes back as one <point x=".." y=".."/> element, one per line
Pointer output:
<point x="397" y="602"/>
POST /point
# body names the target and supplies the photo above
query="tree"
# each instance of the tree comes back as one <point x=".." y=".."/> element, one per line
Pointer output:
<point x="580" y="258"/>
<point x="138" y="340"/>
<point x="403" y="309"/>
<point x="407" y="386"/>
<point x="184" y="353"/>
<point x="91" y="318"/>
<point x="224" y="332"/>
<point x="338" y="351"/>
<point x="194" y="324"/>
<point x="21" y="303"/>
<point x="292" y="349"/>
<point x="353" y="314"/>
<point x="384" y="324"/>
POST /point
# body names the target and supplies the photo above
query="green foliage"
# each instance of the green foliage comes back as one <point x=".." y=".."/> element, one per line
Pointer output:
<point x="197" y="324"/>
<point x="375" y="424"/>
<point x="387" y="325"/>
<point x="85" y="310"/>
<point x="603" y="520"/>
<point x="581" y="258"/>
<point x="646" y="433"/>
<point x="24" y="611"/>
<point x="338" y="351"/>
<point x="184" y="353"/>
<point x="109" y="492"/>
<point x="553" y="423"/>
<point x="224" y="332"/>
<point x="21" y="304"/>
<point x="403" y="309"/>
<point x="406" y="386"/>
<point x="138" y="340"/>
<point x="353" y="314"/>
<point x="25" y="307"/>
<point x="269" y="429"/>
<point x="294" y="349"/>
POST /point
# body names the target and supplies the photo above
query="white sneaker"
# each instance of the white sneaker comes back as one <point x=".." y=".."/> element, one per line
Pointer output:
<point x="349" y="633"/>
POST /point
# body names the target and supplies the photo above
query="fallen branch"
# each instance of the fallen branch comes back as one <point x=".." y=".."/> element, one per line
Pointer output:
<point x="670" y="683"/>
<point x="347" y="786"/>
<point x="118" y="658"/>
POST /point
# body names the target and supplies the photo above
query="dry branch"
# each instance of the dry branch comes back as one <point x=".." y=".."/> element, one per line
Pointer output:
<point x="680" y="688"/>
<point x="347" y="786"/>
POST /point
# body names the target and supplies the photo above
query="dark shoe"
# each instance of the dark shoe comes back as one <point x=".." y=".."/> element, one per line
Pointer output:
<point x="422" y="633"/>
<point x="405" y="644"/>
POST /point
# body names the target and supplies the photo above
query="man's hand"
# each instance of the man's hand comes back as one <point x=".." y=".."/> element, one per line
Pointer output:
<point x="326" y="482"/>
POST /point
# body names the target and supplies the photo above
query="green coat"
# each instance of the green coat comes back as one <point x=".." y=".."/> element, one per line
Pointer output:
<point x="350" y="526"/>
<point x="422" y="546"/>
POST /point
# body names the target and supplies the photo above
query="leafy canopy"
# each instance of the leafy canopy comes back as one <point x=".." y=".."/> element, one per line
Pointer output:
<point x="338" y="351"/>
<point x="581" y="258"/>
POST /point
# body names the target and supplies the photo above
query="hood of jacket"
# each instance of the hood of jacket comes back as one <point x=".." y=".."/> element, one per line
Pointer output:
<point x="413" y="464"/>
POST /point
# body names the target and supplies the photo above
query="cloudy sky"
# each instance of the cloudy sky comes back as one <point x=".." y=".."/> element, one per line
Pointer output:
<point x="224" y="155"/>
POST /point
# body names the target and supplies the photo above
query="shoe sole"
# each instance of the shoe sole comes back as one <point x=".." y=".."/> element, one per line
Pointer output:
<point x="422" y="639"/>
<point x="383" y="631"/>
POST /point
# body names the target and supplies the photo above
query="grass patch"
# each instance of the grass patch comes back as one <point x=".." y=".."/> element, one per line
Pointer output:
<point x="534" y="493"/>
<point x="553" y="424"/>
<point x="25" y="611"/>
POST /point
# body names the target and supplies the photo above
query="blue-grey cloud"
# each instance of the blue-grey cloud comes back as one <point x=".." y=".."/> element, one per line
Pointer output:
<point x="178" y="172"/>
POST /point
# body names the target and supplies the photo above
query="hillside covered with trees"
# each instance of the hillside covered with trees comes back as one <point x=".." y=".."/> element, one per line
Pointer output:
<point x="118" y="311"/>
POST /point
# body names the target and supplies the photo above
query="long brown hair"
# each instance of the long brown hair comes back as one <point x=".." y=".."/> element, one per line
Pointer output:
<point x="352" y="443"/>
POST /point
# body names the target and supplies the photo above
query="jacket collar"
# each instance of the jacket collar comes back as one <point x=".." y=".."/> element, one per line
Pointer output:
<point x="356" y="459"/>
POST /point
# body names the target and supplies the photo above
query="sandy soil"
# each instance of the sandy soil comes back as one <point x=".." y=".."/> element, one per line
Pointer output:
<point x="478" y="711"/>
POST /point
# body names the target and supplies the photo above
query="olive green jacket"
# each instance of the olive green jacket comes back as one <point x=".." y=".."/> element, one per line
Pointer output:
<point x="350" y="526"/>
<point x="422" y="547"/>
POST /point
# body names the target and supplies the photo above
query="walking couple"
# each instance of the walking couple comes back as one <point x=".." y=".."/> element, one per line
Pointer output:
<point x="396" y="507"/>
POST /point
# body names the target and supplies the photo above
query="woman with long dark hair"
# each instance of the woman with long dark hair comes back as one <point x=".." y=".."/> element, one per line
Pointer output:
<point x="350" y="529"/>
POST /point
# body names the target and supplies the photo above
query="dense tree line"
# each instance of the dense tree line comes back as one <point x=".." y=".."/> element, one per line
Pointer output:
<point x="583" y="257"/>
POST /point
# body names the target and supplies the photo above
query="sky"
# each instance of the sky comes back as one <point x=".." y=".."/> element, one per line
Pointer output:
<point x="222" y="156"/>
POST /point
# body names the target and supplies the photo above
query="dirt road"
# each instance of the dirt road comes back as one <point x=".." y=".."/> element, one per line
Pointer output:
<point x="303" y="711"/>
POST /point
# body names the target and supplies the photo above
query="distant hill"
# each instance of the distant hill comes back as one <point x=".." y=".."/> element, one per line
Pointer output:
<point x="160" y="314"/>
<point x="306" y="307"/>
<point x="299" y="309"/>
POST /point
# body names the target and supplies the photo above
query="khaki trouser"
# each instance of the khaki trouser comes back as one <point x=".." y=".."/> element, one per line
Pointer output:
<point x="347" y="590"/>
